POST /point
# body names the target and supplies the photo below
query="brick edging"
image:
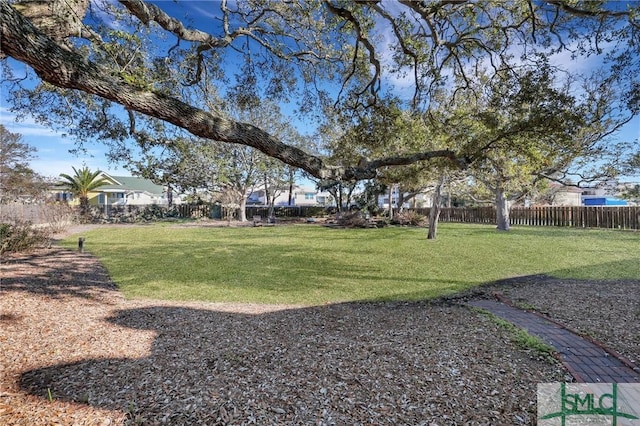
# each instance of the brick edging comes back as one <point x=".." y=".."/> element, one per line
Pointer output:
<point x="627" y="362"/>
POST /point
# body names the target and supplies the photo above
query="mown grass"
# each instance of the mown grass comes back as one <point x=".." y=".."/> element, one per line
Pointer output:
<point x="309" y="264"/>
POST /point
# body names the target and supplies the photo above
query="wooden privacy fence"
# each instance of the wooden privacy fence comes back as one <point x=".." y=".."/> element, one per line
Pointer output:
<point x="623" y="217"/>
<point x="626" y="217"/>
<point x="34" y="213"/>
<point x="198" y="211"/>
<point x="619" y="217"/>
<point x="287" y="211"/>
<point x="464" y="214"/>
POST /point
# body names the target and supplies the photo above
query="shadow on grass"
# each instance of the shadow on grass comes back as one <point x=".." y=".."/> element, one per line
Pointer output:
<point x="296" y="273"/>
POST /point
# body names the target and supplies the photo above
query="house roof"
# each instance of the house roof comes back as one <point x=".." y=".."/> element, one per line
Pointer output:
<point x="563" y="188"/>
<point x="129" y="183"/>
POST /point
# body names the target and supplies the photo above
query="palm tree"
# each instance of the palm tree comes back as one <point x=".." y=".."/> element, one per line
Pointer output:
<point x="81" y="184"/>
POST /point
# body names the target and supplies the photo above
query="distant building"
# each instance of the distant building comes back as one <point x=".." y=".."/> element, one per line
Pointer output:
<point x="421" y="200"/>
<point x="122" y="191"/>
<point x="603" y="195"/>
<point x="300" y="196"/>
<point x="561" y="195"/>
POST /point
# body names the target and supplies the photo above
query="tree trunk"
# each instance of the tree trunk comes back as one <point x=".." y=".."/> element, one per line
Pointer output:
<point x="502" y="210"/>
<point x="272" y="202"/>
<point x="349" y="195"/>
<point x="400" y="199"/>
<point x="267" y="194"/>
<point x="390" y="202"/>
<point x="291" y="182"/>
<point x="242" y="211"/>
<point x="169" y="196"/>
<point x="434" y="212"/>
<point x="290" y="201"/>
<point x="271" y="211"/>
<point x="58" y="19"/>
<point x="84" y="209"/>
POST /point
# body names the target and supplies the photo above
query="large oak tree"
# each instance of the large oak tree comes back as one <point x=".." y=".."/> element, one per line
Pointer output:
<point x="330" y="52"/>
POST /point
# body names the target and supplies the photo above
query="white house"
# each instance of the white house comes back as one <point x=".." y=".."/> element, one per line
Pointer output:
<point x="561" y="195"/>
<point x="122" y="191"/>
<point x="420" y="200"/>
<point x="300" y="196"/>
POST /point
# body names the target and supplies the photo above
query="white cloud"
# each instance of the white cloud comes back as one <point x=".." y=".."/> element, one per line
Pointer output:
<point x="53" y="168"/>
<point x="52" y="149"/>
<point x="204" y="13"/>
<point x="26" y="127"/>
<point x="582" y="64"/>
<point x="100" y="9"/>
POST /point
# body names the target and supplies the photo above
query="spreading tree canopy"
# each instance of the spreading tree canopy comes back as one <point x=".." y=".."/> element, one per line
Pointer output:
<point x="91" y="57"/>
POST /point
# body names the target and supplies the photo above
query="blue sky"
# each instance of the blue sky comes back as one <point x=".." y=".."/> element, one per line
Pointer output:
<point x="53" y="155"/>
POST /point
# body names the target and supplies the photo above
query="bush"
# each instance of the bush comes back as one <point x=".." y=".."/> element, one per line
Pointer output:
<point x="353" y="219"/>
<point x="5" y="231"/>
<point x="410" y="218"/>
<point x="132" y="214"/>
<point x="59" y="216"/>
<point x="22" y="236"/>
<point x="314" y="211"/>
<point x="154" y="212"/>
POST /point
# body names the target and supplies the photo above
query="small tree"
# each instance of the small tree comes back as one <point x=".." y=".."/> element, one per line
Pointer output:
<point x="17" y="180"/>
<point x="81" y="184"/>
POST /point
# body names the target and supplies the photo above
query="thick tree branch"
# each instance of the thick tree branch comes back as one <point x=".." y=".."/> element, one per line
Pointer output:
<point x="58" y="19"/>
<point x="414" y="158"/>
<point x="578" y="11"/>
<point x="148" y="12"/>
<point x="55" y="65"/>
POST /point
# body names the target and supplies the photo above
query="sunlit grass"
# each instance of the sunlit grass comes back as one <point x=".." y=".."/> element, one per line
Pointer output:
<point x="314" y="265"/>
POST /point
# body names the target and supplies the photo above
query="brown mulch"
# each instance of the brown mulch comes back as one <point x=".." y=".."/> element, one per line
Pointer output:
<point x="75" y="352"/>
<point x="605" y="310"/>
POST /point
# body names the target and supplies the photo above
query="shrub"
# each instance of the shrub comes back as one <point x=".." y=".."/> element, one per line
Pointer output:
<point x="5" y="231"/>
<point x="355" y="219"/>
<point x="59" y="216"/>
<point x="410" y="218"/>
<point x="314" y="211"/>
<point x="22" y="236"/>
<point x="133" y="214"/>
<point x="153" y="212"/>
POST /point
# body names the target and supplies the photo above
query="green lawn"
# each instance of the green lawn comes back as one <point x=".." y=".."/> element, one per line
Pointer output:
<point x="310" y="264"/>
